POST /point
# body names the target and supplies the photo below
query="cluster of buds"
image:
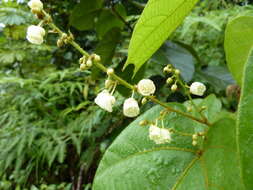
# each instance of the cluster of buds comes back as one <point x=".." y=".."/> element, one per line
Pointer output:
<point x="64" y="39"/>
<point x="87" y="62"/>
<point x="172" y="80"/>
<point x="131" y="107"/>
<point x="159" y="135"/>
<point x="195" y="138"/>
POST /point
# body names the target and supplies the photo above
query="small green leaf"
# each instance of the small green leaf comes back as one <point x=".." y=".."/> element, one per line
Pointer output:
<point x="85" y="13"/>
<point x="245" y="125"/>
<point x="238" y="44"/>
<point x="158" y="20"/>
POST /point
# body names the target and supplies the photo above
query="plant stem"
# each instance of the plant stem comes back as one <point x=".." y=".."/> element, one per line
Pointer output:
<point x="122" y="81"/>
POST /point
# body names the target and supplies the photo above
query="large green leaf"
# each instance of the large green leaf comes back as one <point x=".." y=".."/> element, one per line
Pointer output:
<point x="238" y="44"/>
<point x="245" y="125"/>
<point x="85" y="13"/>
<point x="158" y="20"/>
<point x="135" y="162"/>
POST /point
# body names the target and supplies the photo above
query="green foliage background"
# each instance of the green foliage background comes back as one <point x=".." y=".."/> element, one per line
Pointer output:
<point x="52" y="135"/>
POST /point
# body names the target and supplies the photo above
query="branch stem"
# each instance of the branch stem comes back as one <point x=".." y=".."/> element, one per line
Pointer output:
<point x="122" y="81"/>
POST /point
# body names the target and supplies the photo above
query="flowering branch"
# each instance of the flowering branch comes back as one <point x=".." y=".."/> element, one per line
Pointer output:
<point x="145" y="87"/>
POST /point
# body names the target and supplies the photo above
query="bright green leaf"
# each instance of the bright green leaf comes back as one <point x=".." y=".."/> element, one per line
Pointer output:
<point x="238" y="44"/>
<point x="245" y="125"/>
<point x="158" y="20"/>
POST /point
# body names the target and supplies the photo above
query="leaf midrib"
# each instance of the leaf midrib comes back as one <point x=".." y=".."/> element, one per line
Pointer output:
<point x="159" y="25"/>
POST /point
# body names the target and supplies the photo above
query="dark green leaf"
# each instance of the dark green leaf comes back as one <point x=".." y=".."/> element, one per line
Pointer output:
<point x="108" y="20"/>
<point x="178" y="56"/>
<point x="84" y="14"/>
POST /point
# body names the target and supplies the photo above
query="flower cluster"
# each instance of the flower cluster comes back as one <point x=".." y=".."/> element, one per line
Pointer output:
<point x="131" y="108"/>
<point x="196" y="88"/>
<point x="87" y="61"/>
<point x="35" y="34"/>
<point x="159" y="135"/>
<point x="105" y="99"/>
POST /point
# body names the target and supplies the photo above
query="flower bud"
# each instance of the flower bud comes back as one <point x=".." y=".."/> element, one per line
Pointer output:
<point x="194" y="137"/>
<point x="60" y="43"/>
<point x="105" y="100"/>
<point x="165" y="69"/>
<point x="146" y="87"/>
<point x="110" y="71"/>
<point x="159" y="135"/>
<point x="89" y="63"/>
<point x="131" y="108"/>
<point x="177" y="72"/>
<point x="194" y="143"/>
<point x="36" y="6"/>
<point x="83" y="67"/>
<point x="144" y="101"/>
<point x="108" y="83"/>
<point x="96" y="58"/>
<point x="169" y="80"/>
<point x="35" y="34"/>
<point x="197" y="88"/>
<point x="174" y="87"/>
<point x="143" y="122"/>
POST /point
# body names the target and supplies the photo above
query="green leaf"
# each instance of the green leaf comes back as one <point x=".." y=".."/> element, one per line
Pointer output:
<point x="107" y="45"/>
<point x="107" y="20"/>
<point x="106" y="48"/>
<point x="84" y="14"/>
<point x="238" y="44"/>
<point x="218" y="76"/>
<point x="158" y="20"/>
<point x="245" y="125"/>
<point x="134" y="162"/>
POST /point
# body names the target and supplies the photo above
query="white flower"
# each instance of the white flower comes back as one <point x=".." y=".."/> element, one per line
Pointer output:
<point x="35" y="5"/>
<point x="105" y="100"/>
<point x="197" y="88"/>
<point x="131" y="108"/>
<point x="159" y="135"/>
<point x="146" y="87"/>
<point x="35" y="34"/>
<point x="2" y="26"/>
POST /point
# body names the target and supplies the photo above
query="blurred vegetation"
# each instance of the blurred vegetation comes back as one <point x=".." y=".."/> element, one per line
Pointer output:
<point x="52" y="135"/>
